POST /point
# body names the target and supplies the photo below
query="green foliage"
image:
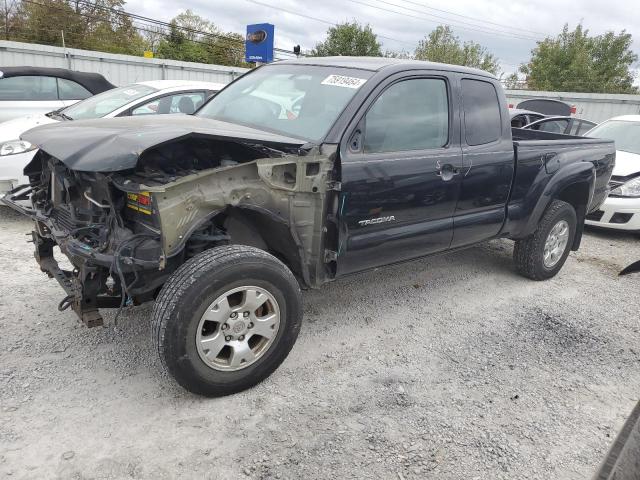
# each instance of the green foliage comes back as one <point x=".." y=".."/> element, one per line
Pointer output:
<point x="577" y="62"/>
<point x="441" y="45"/>
<point x="349" y="39"/>
<point x="512" y="82"/>
<point x="193" y="38"/>
<point x="402" y="54"/>
<point x="98" y="25"/>
<point x="11" y="19"/>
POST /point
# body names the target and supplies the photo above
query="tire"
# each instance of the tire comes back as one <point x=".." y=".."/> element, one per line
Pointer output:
<point x="529" y="253"/>
<point x="179" y="312"/>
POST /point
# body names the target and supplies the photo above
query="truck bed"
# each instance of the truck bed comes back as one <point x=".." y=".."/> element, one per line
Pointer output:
<point x="553" y="150"/>
<point x="538" y="155"/>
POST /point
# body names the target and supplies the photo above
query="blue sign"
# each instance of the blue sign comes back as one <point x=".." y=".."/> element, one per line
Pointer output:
<point x="259" y="43"/>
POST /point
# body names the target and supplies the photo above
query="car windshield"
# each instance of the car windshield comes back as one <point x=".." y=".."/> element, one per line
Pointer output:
<point x="625" y="134"/>
<point x="103" y="104"/>
<point x="299" y="101"/>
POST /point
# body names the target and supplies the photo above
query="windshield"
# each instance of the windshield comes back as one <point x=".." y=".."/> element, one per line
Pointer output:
<point x="299" y="101"/>
<point x="103" y="104"/>
<point x="625" y="134"/>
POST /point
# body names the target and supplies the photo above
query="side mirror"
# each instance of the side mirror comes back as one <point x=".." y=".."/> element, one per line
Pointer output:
<point x="355" y="142"/>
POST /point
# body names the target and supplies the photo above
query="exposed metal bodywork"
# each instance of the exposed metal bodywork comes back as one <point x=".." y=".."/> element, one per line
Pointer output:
<point x="291" y="191"/>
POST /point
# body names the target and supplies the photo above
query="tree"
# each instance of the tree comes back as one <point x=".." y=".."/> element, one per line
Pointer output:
<point x="512" y="82"/>
<point x="402" y="54"/>
<point x="193" y="38"/>
<point x="44" y="21"/>
<point x="11" y="16"/>
<point x="99" y="25"/>
<point x="577" y="62"/>
<point x="103" y="25"/>
<point x="441" y="45"/>
<point x="349" y="39"/>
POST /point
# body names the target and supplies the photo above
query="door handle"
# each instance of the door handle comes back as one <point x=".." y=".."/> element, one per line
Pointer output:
<point x="447" y="171"/>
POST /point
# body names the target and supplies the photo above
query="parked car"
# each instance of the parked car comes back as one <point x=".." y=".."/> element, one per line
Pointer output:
<point x="142" y="98"/>
<point x="34" y="90"/>
<point x="564" y="125"/>
<point x="520" y="118"/>
<point x="547" y="106"/>
<point x="223" y="216"/>
<point x="621" y="210"/>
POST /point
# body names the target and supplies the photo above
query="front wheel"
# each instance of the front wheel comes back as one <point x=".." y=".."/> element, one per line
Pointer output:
<point x="541" y="255"/>
<point x="226" y="319"/>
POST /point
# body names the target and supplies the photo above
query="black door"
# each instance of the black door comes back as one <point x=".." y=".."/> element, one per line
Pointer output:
<point x="488" y="164"/>
<point x="400" y="175"/>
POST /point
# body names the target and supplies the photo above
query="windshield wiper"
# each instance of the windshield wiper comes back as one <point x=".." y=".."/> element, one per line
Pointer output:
<point x="58" y="113"/>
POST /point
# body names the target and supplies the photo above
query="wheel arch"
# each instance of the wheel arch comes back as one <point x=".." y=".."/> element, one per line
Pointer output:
<point x="573" y="184"/>
<point x="578" y="195"/>
<point x="257" y="227"/>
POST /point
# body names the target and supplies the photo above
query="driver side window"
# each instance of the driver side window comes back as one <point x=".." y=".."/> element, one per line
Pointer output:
<point x="409" y="115"/>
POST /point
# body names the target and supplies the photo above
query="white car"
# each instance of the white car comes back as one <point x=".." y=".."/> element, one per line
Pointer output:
<point x="143" y="98"/>
<point x="33" y="90"/>
<point x="621" y="210"/>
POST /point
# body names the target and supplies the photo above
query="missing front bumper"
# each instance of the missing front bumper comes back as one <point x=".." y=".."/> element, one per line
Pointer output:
<point x="19" y="200"/>
<point x="81" y="285"/>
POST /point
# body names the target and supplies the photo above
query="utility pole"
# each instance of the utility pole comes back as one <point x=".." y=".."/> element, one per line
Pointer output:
<point x="66" y="54"/>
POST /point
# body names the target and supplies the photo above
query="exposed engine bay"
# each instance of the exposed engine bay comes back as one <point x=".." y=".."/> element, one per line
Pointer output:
<point x="126" y="231"/>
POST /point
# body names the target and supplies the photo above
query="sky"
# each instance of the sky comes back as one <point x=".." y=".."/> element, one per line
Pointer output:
<point x="508" y="28"/>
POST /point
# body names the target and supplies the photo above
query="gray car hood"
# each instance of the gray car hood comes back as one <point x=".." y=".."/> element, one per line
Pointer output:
<point x="114" y="144"/>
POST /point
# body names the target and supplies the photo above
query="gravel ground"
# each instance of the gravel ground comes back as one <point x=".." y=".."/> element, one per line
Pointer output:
<point x="449" y="367"/>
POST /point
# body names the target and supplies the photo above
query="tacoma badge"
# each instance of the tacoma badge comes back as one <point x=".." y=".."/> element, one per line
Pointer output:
<point x="375" y="221"/>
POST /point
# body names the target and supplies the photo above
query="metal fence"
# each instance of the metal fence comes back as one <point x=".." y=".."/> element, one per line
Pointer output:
<point x="596" y="107"/>
<point x="118" y="69"/>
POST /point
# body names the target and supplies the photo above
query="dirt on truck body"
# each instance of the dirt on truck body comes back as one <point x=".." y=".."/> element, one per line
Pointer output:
<point x="294" y="175"/>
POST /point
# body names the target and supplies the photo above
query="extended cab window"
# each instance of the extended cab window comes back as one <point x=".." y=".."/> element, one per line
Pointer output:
<point x="482" y="122"/>
<point x="409" y="115"/>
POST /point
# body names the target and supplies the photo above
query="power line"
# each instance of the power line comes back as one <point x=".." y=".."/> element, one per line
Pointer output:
<point x="479" y="28"/>
<point x="482" y="20"/>
<point x="326" y="22"/>
<point x="486" y="32"/>
<point x="170" y="25"/>
<point x="234" y="44"/>
<point x="138" y="28"/>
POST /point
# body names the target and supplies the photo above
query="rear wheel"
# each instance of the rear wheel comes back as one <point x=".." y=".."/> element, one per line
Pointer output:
<point x="541" y="255"/>
<point x="226" y="319"/>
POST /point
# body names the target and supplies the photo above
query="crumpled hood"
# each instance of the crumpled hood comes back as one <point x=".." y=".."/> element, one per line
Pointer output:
<point x="627" y="163"/>
<point x="114" y="144"/>
<point x="12" y="129"/>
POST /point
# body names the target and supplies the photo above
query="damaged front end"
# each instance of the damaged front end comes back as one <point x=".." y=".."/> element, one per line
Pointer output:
<point x="125" y="231"/>
<point x="114" y="257"/>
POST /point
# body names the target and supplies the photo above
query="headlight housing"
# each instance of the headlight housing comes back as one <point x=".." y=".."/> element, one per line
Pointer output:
<point x="628" y="189"/>
<point x="13" y="147"/>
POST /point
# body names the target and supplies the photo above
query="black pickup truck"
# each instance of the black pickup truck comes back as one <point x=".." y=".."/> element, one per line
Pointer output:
<point x="294" y="175"/>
